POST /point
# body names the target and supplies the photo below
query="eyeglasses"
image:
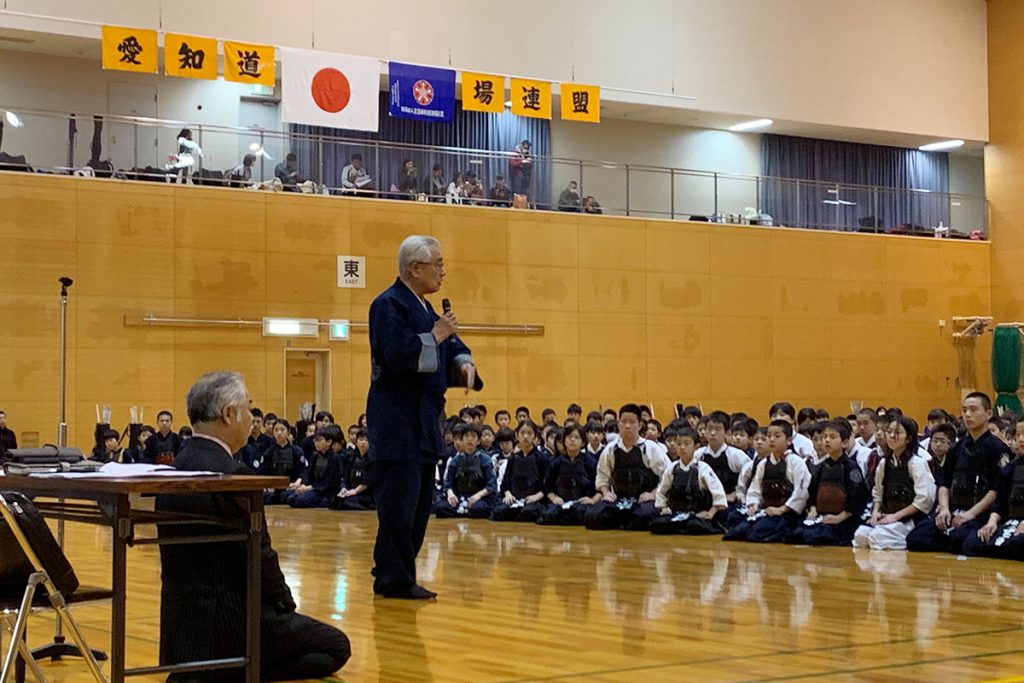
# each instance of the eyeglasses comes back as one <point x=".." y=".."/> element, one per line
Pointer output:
<point x="436" y="264"/>
<point x="896" y="433"/>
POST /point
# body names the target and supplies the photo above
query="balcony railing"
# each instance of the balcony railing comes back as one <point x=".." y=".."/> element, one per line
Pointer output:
<point x="139" y="147"/>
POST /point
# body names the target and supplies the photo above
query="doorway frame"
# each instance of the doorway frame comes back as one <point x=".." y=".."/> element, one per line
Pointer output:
<point x="322" y="379"/>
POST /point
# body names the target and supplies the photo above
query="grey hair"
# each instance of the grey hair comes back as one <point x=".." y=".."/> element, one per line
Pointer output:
<point x="415" y="248"/>
<point x="212" y="392"/>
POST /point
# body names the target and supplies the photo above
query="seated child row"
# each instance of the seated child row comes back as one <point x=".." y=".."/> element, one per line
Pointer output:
<point x="887" y="494"/>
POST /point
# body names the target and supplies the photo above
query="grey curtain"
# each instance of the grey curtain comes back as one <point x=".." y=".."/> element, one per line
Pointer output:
<point x="468" y="130"/>
<point x="913" y="184"/>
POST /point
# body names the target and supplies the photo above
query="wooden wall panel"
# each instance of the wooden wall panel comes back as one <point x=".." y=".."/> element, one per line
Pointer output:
<point x="634" y="309"/>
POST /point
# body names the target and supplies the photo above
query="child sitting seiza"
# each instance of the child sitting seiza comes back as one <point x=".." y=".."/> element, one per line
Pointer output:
<point x="837" y="493"/>
<point x="778" y="491"/>
<point x="282" y="459"/>
<point x="321" y="481"/>
<point x="355" y="493"/>
<point x="469" y="484"/>
<point x="690" y="497"/>
<point x="522" y="489"/>
<point x="628" y="473"/>
<point x="570" y="487"/>
<point x="903" y="492"/>
<point x="1002" y="535"/>
<point x="726" y="461"/>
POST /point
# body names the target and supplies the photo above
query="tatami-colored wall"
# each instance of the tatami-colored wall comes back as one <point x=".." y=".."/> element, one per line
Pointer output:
<point x="1004" y="157"/>
<point x="633" y="309"/>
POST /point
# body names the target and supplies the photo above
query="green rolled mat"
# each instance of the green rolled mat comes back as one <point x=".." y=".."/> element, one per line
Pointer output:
<point x="1007" y="403"/>
<point x="1006" y="360"/>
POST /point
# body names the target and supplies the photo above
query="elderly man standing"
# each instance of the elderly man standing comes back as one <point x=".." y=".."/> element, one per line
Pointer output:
<point x="415" y="357"/>
<point x="202" y="603"/>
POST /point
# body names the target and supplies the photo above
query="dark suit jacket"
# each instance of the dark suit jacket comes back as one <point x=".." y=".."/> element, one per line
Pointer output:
<point x="408" y="377"/>
<point x="203" y="591"/>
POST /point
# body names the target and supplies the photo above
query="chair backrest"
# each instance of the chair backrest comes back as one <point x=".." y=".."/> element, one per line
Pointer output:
<point x="27" y="545"/>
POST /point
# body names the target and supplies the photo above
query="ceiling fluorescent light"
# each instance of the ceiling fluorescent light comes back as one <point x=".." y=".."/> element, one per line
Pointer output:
<point x="750" y="125"/>
<point x="945" y="144"/>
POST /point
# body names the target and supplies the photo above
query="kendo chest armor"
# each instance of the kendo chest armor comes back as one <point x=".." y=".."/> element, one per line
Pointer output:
<point x="572" y="479"/>
<point x="1017" y="493"/>
<point x="897" y="487"/>
<point x="720" y="466"/>
<point x="320" y="468"/>
<point x="469" y="476"/>
<point x="686" y="495"/>
<point x="832" y="493"/>
<point x="631" y="476"/>
<point x="523" y="476"/>
<point x="357" y="473"/>
<point x="969" y="482"/>
<point x="282" y="462"/>
<point x="775" y="486"/>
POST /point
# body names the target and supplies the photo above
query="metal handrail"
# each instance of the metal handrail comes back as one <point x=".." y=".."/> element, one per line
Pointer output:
<point x="500" y="154"/>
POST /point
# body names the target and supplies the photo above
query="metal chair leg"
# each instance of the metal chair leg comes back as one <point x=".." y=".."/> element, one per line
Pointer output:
<point x="26" y="656"/>
<point x="76" y="635"/>
<point x="19" y="626"/>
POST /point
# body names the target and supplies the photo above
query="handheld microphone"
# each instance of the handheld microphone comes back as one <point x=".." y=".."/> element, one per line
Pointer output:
<point x="446" y="306"/>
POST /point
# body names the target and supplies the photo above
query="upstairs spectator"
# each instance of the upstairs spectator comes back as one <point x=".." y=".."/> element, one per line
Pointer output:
<point x="354" y="177"/>
<point x="287" y="173"/>
<point x="520" y="168"/>
<point x="434" y="186"/>
<point x="569" y="200"/>
<point x="8" y="441"/>
<point x="472" y="189"/>
<point x="590" y="205"/>
<point x="185" y="159"/>
<point x="454" y="194"/>
<point x="241" y="175"/>
<point x="408" y="180"/>
<point x="501" y="193"/>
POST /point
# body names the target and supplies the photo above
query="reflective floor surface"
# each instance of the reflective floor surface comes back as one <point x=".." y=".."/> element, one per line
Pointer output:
<point x="529" y="603"/>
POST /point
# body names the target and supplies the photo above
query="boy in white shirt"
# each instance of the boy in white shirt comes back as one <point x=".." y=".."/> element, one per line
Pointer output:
<point x="628" y="473"/>
<point x="777" y="495"/>
<point x="690" y="497"/>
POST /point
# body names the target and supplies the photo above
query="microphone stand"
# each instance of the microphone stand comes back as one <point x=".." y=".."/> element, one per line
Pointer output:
<point x="59" y="649"/>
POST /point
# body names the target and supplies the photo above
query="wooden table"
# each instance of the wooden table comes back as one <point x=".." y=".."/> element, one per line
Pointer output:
<point x="111" y="506"/>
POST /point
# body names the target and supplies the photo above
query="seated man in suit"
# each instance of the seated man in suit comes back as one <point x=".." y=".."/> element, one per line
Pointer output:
<point x="202" y="601"/>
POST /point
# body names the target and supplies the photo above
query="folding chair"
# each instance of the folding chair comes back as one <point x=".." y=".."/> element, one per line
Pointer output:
<point x="30" y="557"/>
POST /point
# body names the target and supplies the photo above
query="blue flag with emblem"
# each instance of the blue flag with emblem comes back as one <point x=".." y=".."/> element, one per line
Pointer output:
<point x="422" y="93"/>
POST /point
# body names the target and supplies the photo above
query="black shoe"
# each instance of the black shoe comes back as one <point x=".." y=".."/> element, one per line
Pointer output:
<point x="414" y="592"/>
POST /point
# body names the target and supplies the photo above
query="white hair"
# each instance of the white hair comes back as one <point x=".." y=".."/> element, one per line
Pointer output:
<point x="416" y="248"/>
<point x="212" y="393"/>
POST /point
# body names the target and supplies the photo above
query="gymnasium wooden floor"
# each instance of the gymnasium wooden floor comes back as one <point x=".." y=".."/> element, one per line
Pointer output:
<point x="526" y="603"/>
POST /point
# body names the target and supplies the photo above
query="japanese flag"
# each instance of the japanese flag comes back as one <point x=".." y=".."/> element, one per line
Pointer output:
<point x="327" y="89"/>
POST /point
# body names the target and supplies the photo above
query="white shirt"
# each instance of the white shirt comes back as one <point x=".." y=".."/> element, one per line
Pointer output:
<point x="705" y="475"/>
<point x="652" y="453"/>
<point x="797" y="474"/>
<point x="802" y="446"/>
<point x="743" y="482"/>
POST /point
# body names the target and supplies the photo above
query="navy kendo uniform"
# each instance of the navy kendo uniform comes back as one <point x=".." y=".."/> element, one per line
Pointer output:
<point x="409" y="375"/>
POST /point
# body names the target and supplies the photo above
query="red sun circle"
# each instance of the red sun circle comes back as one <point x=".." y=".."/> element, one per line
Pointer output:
<point x="423" y="92"/>
<point x="331" y="90"/>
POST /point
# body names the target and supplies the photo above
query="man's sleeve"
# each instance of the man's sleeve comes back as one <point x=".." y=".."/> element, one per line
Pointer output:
<point x="400" y="349"/>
